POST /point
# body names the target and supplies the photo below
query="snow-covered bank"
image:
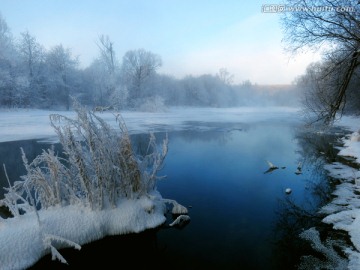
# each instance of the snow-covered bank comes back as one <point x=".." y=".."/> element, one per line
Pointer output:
<point x="100" y="188"/>
<point x="343" y="212"/>
<point x="24" y="239"/>
<point x="35" y="124"/>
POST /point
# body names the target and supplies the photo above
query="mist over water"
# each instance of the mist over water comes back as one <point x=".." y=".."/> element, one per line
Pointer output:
<point x="219" y="170"/>
<point x="214" y="80"/>
<point x="237" y="207"/>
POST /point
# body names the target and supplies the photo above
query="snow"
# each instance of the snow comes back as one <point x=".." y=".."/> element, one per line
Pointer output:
<point x="27" y="237"/>
<point x="180" y="220"/>
<point x="352" y="147"/>
<point x="24" y="239"/>
<point x="343" y="212"/>
<point x="35" y="124"/>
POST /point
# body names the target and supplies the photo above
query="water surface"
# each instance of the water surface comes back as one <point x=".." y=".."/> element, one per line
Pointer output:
<point x="241" y="217"/>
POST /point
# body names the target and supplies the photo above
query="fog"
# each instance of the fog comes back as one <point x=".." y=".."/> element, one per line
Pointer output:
<point x="34" y="77"/>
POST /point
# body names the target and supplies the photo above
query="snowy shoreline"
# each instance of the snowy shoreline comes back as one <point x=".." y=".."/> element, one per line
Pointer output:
<point x="343" y="212"/>
<point x="101" y="190"/>
<point x="25" y="240"/>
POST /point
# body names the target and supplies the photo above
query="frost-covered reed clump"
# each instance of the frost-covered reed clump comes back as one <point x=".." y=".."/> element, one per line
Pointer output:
<point x="99" y="166"/>
<point x="98" y="187"/>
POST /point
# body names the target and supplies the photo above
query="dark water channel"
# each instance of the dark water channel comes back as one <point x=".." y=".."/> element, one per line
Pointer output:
<point x="241" y="217"/>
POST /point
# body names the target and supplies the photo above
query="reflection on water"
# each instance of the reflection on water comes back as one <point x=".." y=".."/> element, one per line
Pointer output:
<point x="241" y="218"/>
<point x="316" y="150"/>
<point x="10" y="156"/>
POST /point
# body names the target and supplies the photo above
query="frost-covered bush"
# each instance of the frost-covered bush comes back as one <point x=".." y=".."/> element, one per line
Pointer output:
<point x="99" y="166"/>
<point x="152" y="104"/>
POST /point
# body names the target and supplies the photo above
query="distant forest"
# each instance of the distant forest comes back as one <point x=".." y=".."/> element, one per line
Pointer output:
<point x="34" y="77"/>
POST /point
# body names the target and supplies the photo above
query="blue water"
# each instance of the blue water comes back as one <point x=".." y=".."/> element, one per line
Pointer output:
<point x="221" y="175"/>
<point x="217" y="171"/>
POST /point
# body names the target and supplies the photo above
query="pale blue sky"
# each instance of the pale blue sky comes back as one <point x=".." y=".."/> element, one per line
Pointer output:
<point x="191" y="36"/>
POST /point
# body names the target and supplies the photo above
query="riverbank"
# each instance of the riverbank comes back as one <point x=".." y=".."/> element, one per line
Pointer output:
<point x="22" y="124"/>
<point x="343" y="211"/>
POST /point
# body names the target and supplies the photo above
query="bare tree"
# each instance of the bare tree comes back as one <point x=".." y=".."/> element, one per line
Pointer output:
<point x="31" y="51"/>
<point x="62" y="65"/>
<point x="5" y="38"/>
<point x="32" y="58"/>
<point x="225" y="76"/>
<point x="138" y="67"/>
<point x="334" y="25"/>
<point x="8" y="60"/>
<point x="107" y="53"/>
<point x="109" y="88"/>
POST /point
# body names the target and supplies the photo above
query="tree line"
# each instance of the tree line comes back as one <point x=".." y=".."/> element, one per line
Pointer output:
<point x="34" y="77"/>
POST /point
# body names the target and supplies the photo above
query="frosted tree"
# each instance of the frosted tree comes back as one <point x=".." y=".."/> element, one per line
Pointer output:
<point x="8" y="66"/>
<point x="318" y="86"/>
<point x="225" y="76"/>
<point x="137" y="70"/>
<point x="62" y="67"/>
<point x="32" y="56"/>
<point x="109" y="90"/>
<point x="170" y="89"/>
<point x="97" y="78"/>
<point x="6" y="40"/>
<point x="31" y="52"/>
<point x="106" y="47"/>
<point x="335" y="24"/>
<point x="207" y="90"/>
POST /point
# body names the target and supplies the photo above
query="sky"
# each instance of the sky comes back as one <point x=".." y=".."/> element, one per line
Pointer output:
<point x="193" y="37"/>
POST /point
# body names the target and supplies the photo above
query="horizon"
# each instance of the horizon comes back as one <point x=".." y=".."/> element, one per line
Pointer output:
<point x="192" y="38"/>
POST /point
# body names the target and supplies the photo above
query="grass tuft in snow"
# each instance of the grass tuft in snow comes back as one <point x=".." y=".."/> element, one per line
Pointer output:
<point x="99" y="188"/>
<point x="99" y="166"/>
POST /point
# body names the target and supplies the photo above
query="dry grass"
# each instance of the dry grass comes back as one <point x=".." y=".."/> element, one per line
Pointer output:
<point x="99" y="167"/>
